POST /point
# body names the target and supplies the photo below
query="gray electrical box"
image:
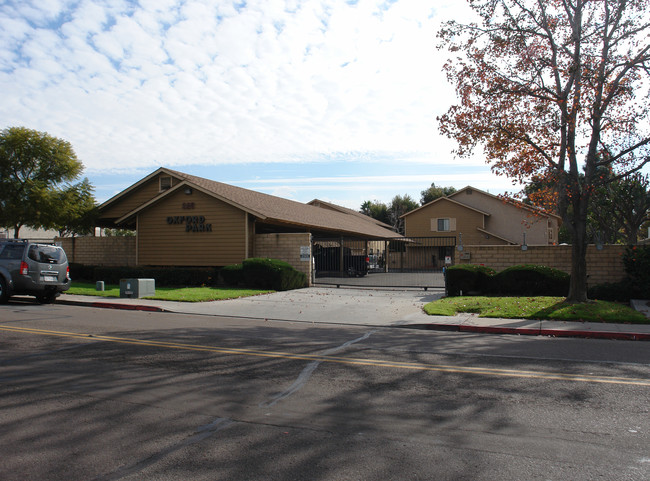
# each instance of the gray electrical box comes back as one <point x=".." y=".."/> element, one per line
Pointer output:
<point x="136" y="288"/>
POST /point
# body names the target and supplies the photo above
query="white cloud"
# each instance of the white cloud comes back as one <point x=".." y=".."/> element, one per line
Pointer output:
<point x="172" y="83"/>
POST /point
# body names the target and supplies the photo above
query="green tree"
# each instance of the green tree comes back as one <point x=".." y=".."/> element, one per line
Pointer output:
<point x="35" y="172"/>
<point x="75" y="209"/>
<point x="621" y="207"/>
<point x="552" y="89"/>
<point x="399" y="206"/>
<point x="377" y="210"/>
<point x="434" y="192"/>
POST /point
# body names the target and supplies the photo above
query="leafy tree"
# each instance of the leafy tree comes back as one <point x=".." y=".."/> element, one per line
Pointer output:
<point x="377" y="210"/>
<point x="399" y="206"/>
<point x="75" y="210"/>
<point x="119" y="233"/>
<point x="629" y="201"/>
<point x="434" y="192"/>
<point x="549" y="86"/>
<point x="35" y="174"/>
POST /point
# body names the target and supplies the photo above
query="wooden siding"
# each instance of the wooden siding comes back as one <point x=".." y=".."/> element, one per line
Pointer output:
<point x="132" y="200"/>
<point x="163" y="243"/>
<point x="511" y="221"/>
<point x="419" y="223"/>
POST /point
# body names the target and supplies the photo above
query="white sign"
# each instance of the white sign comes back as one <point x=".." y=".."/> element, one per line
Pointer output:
<point x="304" y="253"/>
<point x="448" y="260"/>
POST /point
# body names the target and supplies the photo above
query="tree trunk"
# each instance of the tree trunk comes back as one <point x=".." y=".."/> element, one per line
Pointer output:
<point x="578" y="284"/>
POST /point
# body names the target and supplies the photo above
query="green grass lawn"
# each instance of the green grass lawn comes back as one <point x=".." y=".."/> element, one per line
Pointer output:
<point x="551" y="308"/>
<point x="182" y="294"/>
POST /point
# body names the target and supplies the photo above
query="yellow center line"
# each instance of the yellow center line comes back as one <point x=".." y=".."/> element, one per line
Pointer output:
<point x="341" y="360"/>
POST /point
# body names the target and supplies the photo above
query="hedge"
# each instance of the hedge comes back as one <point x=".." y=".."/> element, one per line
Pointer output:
<point x="164" y="276"/>
<point x="272" y="274"/>
<point x="636" y="285"/>
<point x="521" y="280"/>
<point x="530" y="280"/>
<point x="467" y="278"/>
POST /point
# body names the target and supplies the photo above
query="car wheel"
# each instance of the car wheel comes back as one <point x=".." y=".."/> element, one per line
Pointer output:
<point x="4" y="293"/>
<point x="48" y="298"/>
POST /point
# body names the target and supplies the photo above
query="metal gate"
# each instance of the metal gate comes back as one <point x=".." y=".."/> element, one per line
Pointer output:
<point x="404" y="262"/>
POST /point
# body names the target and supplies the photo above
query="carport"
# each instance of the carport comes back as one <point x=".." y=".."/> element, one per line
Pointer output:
<point x="405" y="262"/>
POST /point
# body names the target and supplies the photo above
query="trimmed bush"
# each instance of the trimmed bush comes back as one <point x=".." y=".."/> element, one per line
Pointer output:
<point x="272" y="274"/>
<point x="81" y="272"/>
<point x="530" y="280"/>
<point x="232" y="275"/>
<point x="617" y="291"/>
<point x="637" y="266"/>
<point x="637" y="283"/>
<point x="467" y="278"/>
<point x="164" y="276"/>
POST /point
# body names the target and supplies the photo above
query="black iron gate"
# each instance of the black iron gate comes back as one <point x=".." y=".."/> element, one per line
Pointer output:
<point x="404" y="262"/>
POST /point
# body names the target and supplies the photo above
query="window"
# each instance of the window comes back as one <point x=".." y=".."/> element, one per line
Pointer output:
<point x="443" y="224"/>
<point x="165" y="183"/>
<point x="12" y="251"/>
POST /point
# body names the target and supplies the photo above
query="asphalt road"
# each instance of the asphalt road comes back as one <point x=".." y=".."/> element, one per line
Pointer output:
<point x="91" y="394"/>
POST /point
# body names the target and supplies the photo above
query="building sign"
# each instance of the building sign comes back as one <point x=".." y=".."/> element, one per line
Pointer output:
<point x="193" y="223"/>
<point x="305" y="253"/>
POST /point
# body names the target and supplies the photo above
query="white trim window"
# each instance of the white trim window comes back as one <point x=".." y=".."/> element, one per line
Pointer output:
<point x="443" y="224"/>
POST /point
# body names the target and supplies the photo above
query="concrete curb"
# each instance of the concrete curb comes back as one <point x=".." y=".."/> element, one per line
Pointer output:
<point x="113" y="305"/>
<point x="522" y="331"/>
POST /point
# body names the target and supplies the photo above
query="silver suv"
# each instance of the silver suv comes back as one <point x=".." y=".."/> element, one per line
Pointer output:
<point x="40" y="270"/>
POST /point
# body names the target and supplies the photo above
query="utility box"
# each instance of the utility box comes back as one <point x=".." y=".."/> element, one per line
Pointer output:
<point x="136" y="288"/>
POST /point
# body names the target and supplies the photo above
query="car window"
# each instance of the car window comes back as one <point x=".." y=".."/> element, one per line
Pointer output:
<point x="12" y="251"/>
<point x="46" y="254"/>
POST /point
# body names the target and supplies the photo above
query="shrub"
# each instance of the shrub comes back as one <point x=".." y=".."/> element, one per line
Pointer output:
<point x="467" y="278"/>
<point x="272" y="274"/>
<point x="232" y="275"/>
<point x="81" y="272"/>
<point x="164" y="276"/>
<point x="637" y="283"/>
<point x="616" y="291"/>
<point x="637" y="265"/>
<point x="530" y="280"/>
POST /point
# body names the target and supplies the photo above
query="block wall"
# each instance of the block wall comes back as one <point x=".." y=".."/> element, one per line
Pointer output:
<point x="604" y="265"/>
<point x="99" y="251"/>
<point x="286" y="247"/>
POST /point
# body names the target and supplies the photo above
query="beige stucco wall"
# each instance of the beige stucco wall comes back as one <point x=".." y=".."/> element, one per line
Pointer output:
<point x="419" y="223"/>
<point x="603" y="266"/>
<point x="509" y="221"/>
<point x="286" y="247"/>
<point x="99" y="251"/>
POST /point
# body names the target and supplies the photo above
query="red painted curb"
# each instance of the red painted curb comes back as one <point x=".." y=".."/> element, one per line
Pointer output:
<point x="127" y="307"/>
<point x="625" y="336"/>
<point x="501" y="330"/>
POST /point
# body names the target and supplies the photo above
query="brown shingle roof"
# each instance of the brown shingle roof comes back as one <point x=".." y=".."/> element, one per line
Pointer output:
<point x="272" y="209"/>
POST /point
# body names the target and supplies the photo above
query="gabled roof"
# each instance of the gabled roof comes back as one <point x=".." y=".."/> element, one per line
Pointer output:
<point x="345" y="210"/>
<point x="509" y="241"/>
<point x="441" y="199"/>
<point x="268" y="208"/>
<point x="507" y="200"/>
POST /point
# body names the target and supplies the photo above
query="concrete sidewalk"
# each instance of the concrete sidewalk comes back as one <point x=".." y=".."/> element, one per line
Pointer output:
<point x="387" y="308"/>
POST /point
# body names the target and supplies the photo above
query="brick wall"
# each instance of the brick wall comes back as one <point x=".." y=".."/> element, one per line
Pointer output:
<point x="99" y="251"/>
<point x="285" y="247"/>
<point x="604" y="265"/>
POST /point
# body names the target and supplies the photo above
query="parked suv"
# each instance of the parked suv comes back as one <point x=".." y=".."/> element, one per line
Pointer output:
<point x="40" y="270"/>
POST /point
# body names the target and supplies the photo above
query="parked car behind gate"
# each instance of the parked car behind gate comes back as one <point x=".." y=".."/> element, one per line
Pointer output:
<point x="40" y="270"/>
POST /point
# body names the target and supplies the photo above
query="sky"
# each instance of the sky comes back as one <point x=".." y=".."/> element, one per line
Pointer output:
<point x="304" y="99"/>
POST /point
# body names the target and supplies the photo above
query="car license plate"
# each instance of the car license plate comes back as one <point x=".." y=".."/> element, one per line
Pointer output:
<point x="49" y="278"/>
